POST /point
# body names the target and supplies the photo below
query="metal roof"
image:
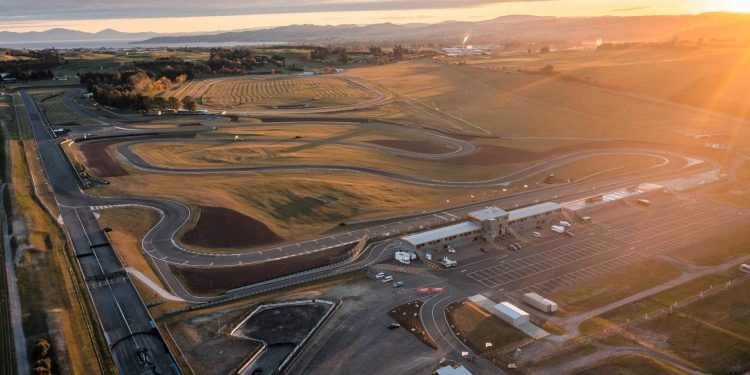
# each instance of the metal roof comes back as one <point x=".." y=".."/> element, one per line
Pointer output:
<point x="449" y="370"/>
<point x="441" y="233"/>
<point x="537" y="209"/>
<point x="510" y="310"/>
<point x="488" y="213"/>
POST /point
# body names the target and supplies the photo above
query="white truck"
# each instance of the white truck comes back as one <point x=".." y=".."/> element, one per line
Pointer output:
<point x="558" y="229"/>
<point x="447" y="263"/>
<point x="403" y="257"/>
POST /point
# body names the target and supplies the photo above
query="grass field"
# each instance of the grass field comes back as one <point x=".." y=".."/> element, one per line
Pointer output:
<point x="46" y="288"/>
<point x="51" y="104"/>
<point x="657" y="301"/>
<point x="614" y="286"/>
<point x="282" y="200"/>
<point x="709" y="77"/>
<point x="230" y="153"/>
<point x="714" y="333"/>
<point x="508" y="103"/>
<point x="249" y="93"/>
<point x="476" y="327"/>
<point x="129" y="226"/>
<point x="630" y="364"/>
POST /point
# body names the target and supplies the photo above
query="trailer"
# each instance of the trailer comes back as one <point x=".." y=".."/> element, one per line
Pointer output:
<point x="511" y="314"/>
<point x="540" y="303"/>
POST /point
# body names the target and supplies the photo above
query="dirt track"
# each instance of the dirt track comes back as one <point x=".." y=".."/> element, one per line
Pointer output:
<point x="220" y="227"/>
<point x="215" y="280"/>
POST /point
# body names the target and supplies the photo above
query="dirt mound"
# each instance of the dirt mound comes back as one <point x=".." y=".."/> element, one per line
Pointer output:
<point x="220" y="227"/>
<point x="100" y="163"/>
<point x="217" y="280"/>
<point x="423" y="147"/>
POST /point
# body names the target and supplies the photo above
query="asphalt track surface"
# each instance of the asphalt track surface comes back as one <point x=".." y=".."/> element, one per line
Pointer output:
<point x="124" y="317"/>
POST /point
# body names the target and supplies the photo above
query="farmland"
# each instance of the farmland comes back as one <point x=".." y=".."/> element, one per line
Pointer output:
<point x="249" y="93"/>
<point x="642" y="71"/>
<point x="513" y="104"/>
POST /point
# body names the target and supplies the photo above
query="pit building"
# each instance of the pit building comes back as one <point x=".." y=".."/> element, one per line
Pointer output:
<point x="486" y="224"/>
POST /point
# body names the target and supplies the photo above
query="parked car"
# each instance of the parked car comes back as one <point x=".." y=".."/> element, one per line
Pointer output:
<point x="379" y="275"/>
<point x="394" y="325"/>
<point x="387" y="279"/>
<point x="537" y="235"/>
<point x="398" y="284"/>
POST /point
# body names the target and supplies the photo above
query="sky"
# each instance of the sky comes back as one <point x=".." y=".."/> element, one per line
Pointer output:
<point x="173" y="16"/>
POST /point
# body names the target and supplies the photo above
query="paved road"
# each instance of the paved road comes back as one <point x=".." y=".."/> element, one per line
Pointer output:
<point x="124" y="318"/>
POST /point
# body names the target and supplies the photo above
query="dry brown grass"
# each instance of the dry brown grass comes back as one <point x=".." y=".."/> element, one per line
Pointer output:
<point x="280" y="200"/>
<point x="129" y="226"/>
<point x="249" y="93"/>
<point x="231" y="153"/>
<point x="44" y="281"/>
<point x="516" y="104"/>
<point x="599" y="291"/>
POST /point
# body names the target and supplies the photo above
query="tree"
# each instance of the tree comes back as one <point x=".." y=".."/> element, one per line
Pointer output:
<point x="173" y="103"/>
<point x="342" y="56"/>
<point x="188" y="103"/>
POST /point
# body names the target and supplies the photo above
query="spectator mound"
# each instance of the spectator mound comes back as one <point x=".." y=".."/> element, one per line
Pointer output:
<point x="220" y="227"/>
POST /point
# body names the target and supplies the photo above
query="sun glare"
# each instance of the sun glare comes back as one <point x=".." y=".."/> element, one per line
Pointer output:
<point x="742" y="6"/>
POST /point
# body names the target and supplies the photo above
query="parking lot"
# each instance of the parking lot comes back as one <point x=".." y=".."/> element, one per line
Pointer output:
<point x="619" y="236"/>
<point x="520" y="268"/>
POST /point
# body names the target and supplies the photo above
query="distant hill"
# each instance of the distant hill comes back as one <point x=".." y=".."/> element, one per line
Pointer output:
<point x="61" y="35"/>
<point x="66" y="35"/>
<point x="502" y="29"/>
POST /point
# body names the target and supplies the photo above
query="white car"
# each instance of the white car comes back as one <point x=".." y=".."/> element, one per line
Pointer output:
<point x="379" y="275"/>
<point x="537" y="235"/>
<point x="387" y="279"/>
<point x="565" y="224"/>
<point x="451" y="250"/>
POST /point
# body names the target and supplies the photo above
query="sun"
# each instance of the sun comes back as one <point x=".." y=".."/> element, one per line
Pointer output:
<point x="741" y="6"/>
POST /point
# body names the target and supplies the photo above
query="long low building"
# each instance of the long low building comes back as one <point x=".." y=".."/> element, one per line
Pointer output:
<point x="582" y="207"/>
<point x="487" y="223"/>
<point x="457" y="234"/>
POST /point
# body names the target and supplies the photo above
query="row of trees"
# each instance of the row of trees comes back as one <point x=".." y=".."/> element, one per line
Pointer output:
<point x="32" y="65"/>
<point x="134" y="101"/>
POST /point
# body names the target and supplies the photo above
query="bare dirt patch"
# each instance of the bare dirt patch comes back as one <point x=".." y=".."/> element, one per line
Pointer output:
<point x="99" y="161"/>
<point x="220" y="227"/>
<point x="217" y="280"/>
<point x="414" y="146"/>
<point x="408" y="316"/>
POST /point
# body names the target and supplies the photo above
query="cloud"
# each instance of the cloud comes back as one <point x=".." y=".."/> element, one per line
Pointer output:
<point x="17" y="10"/>
<point x="633" y="9"/>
